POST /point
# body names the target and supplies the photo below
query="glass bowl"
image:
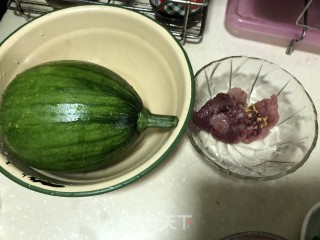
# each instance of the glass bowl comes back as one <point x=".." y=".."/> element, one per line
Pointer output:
<point x="289" y="143"/>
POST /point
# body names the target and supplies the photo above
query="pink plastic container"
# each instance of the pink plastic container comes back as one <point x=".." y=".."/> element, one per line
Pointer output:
<point x="273" y="21"/>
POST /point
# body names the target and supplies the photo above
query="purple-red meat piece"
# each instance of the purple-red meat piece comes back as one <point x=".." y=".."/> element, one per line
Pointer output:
<point x="228" y="118"/>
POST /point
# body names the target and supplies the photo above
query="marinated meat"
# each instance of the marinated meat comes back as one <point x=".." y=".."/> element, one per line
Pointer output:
<point x="229" y="119"/>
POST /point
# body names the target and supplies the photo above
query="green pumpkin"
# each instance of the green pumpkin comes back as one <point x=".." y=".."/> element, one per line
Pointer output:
<point x="72" y="116"/>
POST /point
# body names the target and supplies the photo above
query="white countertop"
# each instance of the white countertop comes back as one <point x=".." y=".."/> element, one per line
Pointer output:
<point x="184" y="198"/>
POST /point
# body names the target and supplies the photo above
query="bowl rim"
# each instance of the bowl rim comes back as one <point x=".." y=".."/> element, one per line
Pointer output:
<point x="306" y="220"/>
<point x="165" y="154"/>
<point x="245" y="177"/>
<point x="254" y="234"/>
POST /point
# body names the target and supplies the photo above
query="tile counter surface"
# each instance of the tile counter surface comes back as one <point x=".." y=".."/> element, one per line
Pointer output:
<point x="183" y="198"/>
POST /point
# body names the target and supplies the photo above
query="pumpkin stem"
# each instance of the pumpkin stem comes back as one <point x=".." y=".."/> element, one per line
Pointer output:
<point x="146" y="119"/>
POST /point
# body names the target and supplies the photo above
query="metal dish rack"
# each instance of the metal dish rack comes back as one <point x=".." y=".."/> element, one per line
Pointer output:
<point x="302" y="21"/>
<point x="189" y="28"/>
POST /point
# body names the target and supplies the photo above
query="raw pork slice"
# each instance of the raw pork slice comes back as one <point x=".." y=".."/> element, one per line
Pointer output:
<point x="229" y="119"/>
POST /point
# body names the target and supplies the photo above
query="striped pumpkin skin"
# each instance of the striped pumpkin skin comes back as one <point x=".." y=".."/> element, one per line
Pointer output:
<point x="69" y="116"/>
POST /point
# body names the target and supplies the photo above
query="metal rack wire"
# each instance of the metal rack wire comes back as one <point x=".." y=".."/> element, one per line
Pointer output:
<point x="189" y="28"/>
<point x="302" y="21"/>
